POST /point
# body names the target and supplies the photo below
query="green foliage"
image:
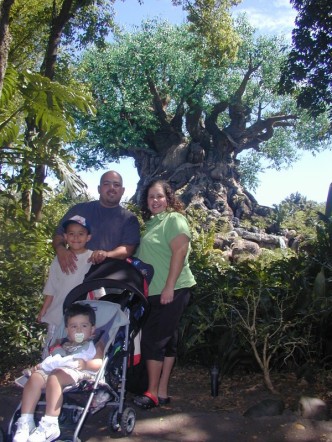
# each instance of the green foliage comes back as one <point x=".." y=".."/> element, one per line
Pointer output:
<point x="89" y="21"/>
<point x="308" y="69"/>
<point x="37" y="113"/>
<point x="49" y="104"/>
<point x="297" y="213"/>
<point x="269" y="312"/>
<point x="200" y="324"/>
<point x="149" y="85"/>
<point x="120" y="77"/>
<point x="211" y="22"/>
<point x="26" y="253"/>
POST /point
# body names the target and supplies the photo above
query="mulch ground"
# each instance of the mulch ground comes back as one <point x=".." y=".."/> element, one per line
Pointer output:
<point x="191" y="387"/>
<point x="240" y="391"/>
<point x="195" y="416"/>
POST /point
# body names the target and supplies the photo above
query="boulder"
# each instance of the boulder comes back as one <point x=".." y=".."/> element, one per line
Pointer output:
<point x="313" y="408"/>
<point x="267" y="407"/>
<point x="242" y="249"/>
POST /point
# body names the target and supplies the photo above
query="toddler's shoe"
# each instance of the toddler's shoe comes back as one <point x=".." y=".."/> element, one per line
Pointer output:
<point x="45" y="432"/>
<point x="24" y="429"/>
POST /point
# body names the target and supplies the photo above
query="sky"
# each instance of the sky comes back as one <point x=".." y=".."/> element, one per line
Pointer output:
<point x="310" y="176"/>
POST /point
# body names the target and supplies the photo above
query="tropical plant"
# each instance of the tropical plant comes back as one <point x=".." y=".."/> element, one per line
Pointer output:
<point x="39" y="100"/>
<point x="26" y="253"/>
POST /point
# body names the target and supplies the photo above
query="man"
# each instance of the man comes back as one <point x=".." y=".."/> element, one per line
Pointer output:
<point x="115" y="231"/>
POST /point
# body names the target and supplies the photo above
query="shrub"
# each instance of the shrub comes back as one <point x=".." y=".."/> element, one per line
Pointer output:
<point x="26" y="253"/>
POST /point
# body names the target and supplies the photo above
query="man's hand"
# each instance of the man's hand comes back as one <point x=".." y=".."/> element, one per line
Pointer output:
<point x="67" y="259"/>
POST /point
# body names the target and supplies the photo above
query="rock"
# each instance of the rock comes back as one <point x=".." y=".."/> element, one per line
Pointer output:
<point x="267" y="407"/>
<point x="235" y="221"/>
<point x="243" y="249"/>
<point x="313" y="408"/>
<point x="263" y="239"/>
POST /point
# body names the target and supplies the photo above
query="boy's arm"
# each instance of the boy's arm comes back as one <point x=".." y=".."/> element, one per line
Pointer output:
<point x="95" y="363"/>
<point x="47" y="302"/>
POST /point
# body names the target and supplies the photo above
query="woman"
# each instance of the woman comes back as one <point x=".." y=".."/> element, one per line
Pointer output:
<point x="165" y="244"/>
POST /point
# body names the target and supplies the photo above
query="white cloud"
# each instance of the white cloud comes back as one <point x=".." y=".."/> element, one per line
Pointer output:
<point x="282" y="4"/>
<point x="276" y="17"/>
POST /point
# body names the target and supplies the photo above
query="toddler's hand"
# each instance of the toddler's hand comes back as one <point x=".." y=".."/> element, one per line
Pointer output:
<point x="81" y="364"/>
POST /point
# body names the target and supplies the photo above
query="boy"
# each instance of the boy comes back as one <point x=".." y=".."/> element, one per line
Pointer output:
<point x="59" y="284"/>
<point x="80" y="320"/>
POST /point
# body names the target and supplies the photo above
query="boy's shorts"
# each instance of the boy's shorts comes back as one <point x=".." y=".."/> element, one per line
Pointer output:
<point x="76" y="375"/>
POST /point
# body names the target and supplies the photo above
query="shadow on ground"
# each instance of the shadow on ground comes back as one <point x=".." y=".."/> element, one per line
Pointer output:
<point x="194" y="416"/>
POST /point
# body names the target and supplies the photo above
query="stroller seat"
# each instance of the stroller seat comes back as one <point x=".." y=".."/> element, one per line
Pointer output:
<point x="119" y="316"/>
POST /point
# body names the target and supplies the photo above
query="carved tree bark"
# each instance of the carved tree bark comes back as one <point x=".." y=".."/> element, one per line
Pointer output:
<point x="205" y="170"/>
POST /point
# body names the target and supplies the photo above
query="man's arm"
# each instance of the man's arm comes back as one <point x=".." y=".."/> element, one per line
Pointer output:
<point x="67" y="259"/>
<point x="120" y="252"/>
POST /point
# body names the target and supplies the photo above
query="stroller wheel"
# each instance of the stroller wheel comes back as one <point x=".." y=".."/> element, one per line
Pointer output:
<point x="62" y="417"/>
<point x="75" y="416"/>
<point x="114" y="425"/>
<point x="12" y="429"/>
<point x="128" y="420"/>
<point x="2" y="435"/>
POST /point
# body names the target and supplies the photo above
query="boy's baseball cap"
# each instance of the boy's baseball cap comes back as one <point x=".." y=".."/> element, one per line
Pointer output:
<point x="77" y="220"/>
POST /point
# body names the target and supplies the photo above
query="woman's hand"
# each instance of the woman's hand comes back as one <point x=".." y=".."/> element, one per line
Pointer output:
<point x="167" y="295"/>
<point x="97" y="256"/>
<point x="179" y="246"/>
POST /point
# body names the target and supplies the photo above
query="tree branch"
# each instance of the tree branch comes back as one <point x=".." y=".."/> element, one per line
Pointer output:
<point x="262" y="130"/>
<point x="68" y="10"/>
<point x="242" y="88"/>
<point x="157" y="103"/>
<point x="211" y="120"/>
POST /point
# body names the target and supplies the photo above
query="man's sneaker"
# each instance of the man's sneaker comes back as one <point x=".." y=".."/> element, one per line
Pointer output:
<point x="45" y="432"/>
<point x="24" y="429"/>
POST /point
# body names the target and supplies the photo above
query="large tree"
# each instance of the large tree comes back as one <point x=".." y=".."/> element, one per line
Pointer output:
<point x="308" y="70"/>
<point x="202" y="124"/>
<point x="44" y="36"/>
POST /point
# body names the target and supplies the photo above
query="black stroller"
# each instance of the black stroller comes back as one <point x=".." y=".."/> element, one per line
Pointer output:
<point x="120" y="312"/>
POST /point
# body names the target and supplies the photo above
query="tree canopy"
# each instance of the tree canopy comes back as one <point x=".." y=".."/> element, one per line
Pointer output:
<point x="158" y="102"/>
<point x="308" y="70"/>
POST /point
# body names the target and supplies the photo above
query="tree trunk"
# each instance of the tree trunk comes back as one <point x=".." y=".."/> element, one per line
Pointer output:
<point x="4" y="38"/>
<point x="37" y="193"/>
<point x="203" y="180"/>
<point x="59" y="21"/>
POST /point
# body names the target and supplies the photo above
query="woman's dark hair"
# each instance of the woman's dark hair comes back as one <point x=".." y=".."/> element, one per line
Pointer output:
<point x="173" y="203"/>
<point x="80" y="309"/>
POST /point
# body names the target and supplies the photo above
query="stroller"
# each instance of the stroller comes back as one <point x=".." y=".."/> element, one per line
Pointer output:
<point x="120" y="313"/>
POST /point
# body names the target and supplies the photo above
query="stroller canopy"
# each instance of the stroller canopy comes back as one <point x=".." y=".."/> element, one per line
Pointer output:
<point x="111" y="273"/>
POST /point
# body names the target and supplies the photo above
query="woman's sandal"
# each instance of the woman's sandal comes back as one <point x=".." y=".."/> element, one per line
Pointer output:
<point x="164" y="400"/>
<point x="146" y="401"/>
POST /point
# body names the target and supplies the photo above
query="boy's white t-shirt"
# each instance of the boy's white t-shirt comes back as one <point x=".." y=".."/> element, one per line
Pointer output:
<point x="59" y="284"/>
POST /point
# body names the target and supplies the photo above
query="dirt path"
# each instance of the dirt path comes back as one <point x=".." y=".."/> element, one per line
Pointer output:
<point x="194" y="416"/>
